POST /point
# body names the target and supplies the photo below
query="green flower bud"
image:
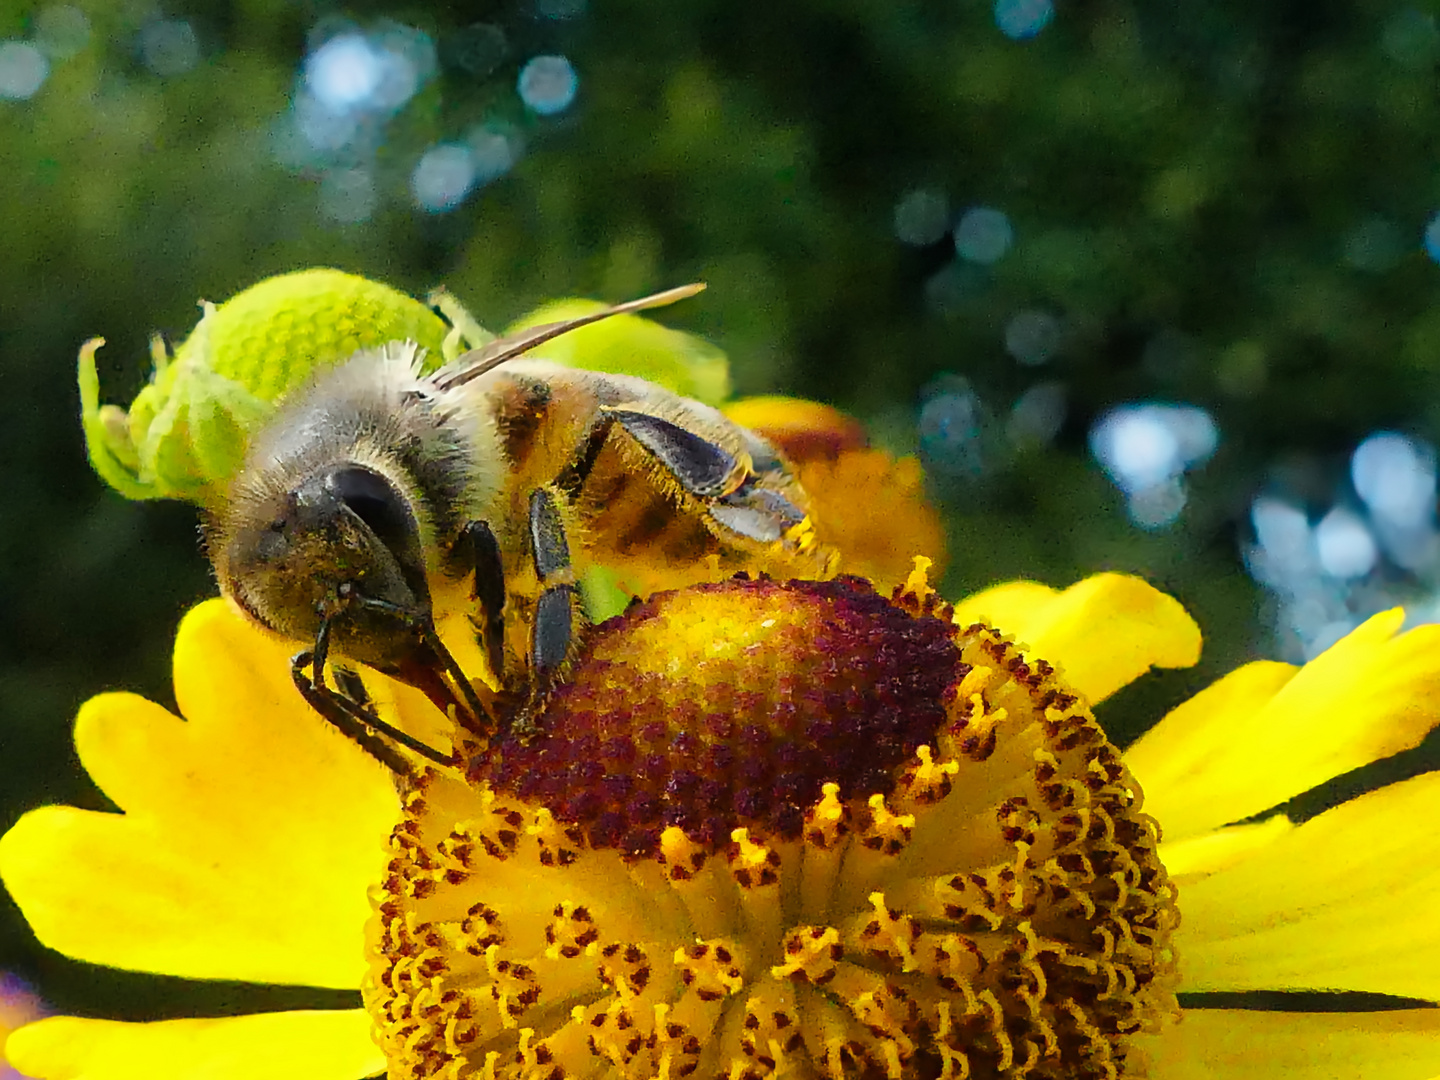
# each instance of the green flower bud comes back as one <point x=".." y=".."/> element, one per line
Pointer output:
<point x="185" y="434"/>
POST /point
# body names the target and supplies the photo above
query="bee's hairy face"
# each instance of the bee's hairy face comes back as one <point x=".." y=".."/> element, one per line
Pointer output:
<point x="342" y="545"/>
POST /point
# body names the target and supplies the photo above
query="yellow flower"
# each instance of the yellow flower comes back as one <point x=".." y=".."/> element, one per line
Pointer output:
<point x="974" y="885"/>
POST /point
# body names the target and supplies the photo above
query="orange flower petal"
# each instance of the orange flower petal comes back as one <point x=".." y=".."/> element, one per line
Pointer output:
<point x="869" y="505"/>
<point x="803" y="430"/>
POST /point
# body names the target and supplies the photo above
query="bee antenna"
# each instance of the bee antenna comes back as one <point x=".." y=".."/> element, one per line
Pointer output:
<point x="477" y="362"/>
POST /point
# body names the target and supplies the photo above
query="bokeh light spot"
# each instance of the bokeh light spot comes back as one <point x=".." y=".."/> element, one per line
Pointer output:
<point x="1033" y="336"/>
<point x="547" y="84"/>
<point x="1146" y="449"/>
<point x="1020" y="20"/>
<point x="61" y="31"/>
<point x="344" y="72"/>
<point x="922" y="217"/>
<point x="1282" y="530"/>
<point x="348" y="196"/>
<point x="443" y="177"/>
<point x="1037" y="415"/>
<point x="1395" y="476"/>
<point x="1144" y="445"/>
<point x="1411" y="38"/>
<point x="477" y="49"/>
<point x="949" y="288"/>
<point x="1137" y="448"/>
<point x="23" y="69"/>
<point x="1346" y="547"/>
<point x="491" y="154"/>
<point x="954" y="428"/>
<point x="322" y="127"/>
<point x="1159" y="505"/>
<point x="407" y="59"/>
<point x="169" y="47"/>
<point x="983" y="235"/>
<point x="351" y="84"/>
<point x="1432" y="238"/>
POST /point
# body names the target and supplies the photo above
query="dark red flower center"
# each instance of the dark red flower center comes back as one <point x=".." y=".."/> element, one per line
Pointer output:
<point x="731" y="705"/>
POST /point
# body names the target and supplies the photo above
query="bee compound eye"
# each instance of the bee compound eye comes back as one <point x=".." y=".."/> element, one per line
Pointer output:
<point x="375" y="501"/>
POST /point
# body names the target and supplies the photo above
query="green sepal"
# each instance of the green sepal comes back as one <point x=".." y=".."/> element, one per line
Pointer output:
<point x="107" y="443"/>
<point x="465" y="333"/>
<point x="197" y="440"/>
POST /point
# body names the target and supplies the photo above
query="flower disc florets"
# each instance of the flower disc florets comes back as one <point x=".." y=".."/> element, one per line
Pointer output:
<point x="729" y="705"/>
<point x="791" y="829"/>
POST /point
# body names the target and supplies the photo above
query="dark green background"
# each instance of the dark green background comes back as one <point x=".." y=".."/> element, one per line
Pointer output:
<point x="1183" y="168"/>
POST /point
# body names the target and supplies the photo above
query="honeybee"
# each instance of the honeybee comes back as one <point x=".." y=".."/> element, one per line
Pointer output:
<point x="378" y="502"/>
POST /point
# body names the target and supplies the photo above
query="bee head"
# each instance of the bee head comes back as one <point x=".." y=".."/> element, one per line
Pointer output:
<point x="342" y="545"/>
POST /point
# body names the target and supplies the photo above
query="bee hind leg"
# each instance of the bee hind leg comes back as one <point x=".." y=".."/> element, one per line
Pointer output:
<point x="738" y="508"/>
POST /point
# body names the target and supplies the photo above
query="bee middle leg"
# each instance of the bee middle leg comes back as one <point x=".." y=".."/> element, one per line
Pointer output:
<point x="558" y="614"/>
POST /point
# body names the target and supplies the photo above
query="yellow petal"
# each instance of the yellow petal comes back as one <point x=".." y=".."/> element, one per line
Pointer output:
<point x="1233" y="1044"/>
<point x="1267" y="731"/>
<point x="1102" y="632"/>
<point x="1346" y="901"/>
<point x="250" y="833"/>
<point x="1208" y="853"/>
<point x="333" y="1045"/>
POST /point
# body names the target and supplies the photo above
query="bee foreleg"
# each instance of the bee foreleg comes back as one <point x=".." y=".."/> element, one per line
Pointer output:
<point x="331" y="707"/>
<point x="758" y="514"/>
<point x="346" y="708"/>
<point x="351" y="686"/>
<point x="481" y="551"/>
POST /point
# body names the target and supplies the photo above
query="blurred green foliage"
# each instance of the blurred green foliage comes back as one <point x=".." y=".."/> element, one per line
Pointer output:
<point x="1250" y="181"/>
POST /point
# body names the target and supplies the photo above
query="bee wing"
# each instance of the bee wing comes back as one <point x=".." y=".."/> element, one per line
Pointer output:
<point x="473" y="364"/>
